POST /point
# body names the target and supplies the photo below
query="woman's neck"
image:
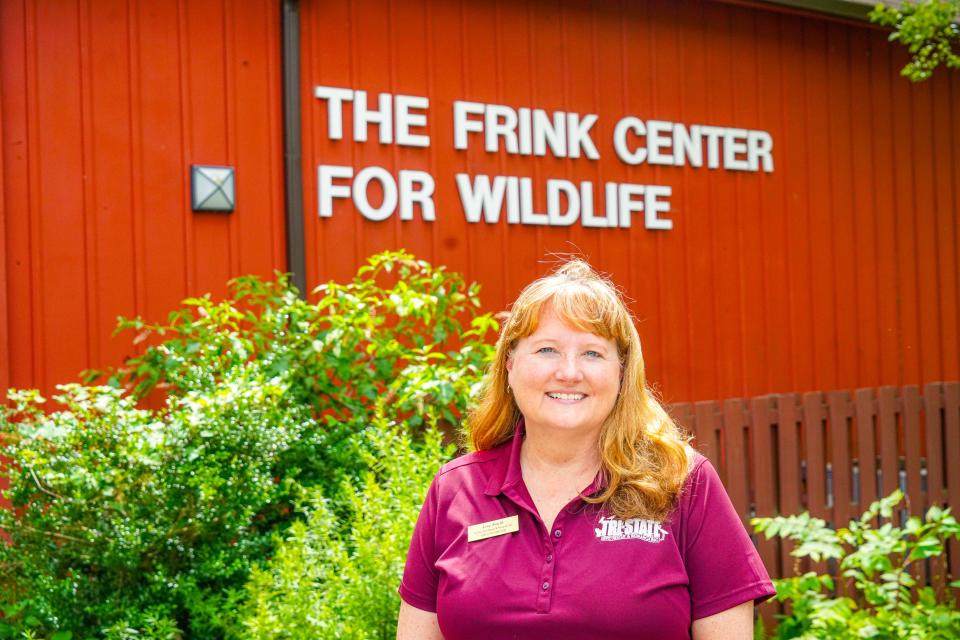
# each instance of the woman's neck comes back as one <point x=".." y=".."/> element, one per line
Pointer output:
<point x="560" y="451"/>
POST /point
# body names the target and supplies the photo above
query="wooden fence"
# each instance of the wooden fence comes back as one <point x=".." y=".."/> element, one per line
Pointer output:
<point x="832" y="454"/>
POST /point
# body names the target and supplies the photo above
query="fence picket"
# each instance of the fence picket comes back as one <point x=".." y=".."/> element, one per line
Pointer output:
<point x="887" y="422"/>
<point x="951" y="433"/>
<point x="936" y="494"/>
<point x="933" y="406"/>
<point x="866" y="448"/>
<point x="814" y="455"/>
<point x="789" y="499"/>
<point x="705" y="426"/>
<point x="763" y="478"/>
<point x="682" y="415"/>
<point x="840" y="463"/>
<point x="911" y="448"/>
<point x="816" y="484"/>
<point x="735" y="462"/>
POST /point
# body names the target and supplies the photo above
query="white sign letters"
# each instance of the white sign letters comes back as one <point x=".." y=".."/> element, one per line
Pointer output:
<point x="403" y="120"/>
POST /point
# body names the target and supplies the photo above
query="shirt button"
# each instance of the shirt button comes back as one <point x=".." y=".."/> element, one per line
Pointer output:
<point x="546" y="585"/>
<point x="557" y="533"/>
<point x="549" y="557"/>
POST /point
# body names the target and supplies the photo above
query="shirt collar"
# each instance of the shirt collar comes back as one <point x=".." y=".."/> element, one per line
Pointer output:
<point x="508" y="474"/>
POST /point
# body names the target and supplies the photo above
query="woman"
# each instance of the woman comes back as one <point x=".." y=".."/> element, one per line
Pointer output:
<point x="582" y="512"/>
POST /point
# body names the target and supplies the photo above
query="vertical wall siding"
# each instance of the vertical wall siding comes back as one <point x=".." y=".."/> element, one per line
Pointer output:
<point x="838" y="270"/>
<point x="4" y="333"/>
<point x="105" y="104"/>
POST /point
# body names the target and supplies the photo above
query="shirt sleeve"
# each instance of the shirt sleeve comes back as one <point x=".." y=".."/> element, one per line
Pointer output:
<point x="418" y="588"/>
<point x="723" y="566"/>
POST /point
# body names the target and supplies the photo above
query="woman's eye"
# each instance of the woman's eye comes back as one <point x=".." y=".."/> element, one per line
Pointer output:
<point x="546" y="350"/>
<point x="593" y="354"/>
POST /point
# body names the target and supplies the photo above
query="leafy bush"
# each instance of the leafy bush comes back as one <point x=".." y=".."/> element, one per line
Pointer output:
<point x="122" y="516"/>
<point x="928" y="29"/>
<point x="887" y="602"/>
<point x="133" y="522"/>
<point x="337" y="577"/>
<point x="380" y="336"/>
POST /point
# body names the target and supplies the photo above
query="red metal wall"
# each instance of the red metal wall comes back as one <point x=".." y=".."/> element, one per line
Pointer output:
<point x="104" y="106"/>
<point x="838" y="270"/>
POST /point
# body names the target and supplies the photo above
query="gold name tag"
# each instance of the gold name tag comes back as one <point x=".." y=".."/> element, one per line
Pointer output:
<point x="493" y="528"/>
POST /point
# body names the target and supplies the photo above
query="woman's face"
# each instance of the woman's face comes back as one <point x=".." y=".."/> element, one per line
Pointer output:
<point x="563" y="378"/>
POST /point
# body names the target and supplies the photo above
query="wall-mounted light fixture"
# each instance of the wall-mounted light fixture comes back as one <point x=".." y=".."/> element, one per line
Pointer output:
<point x="212" y="188"/>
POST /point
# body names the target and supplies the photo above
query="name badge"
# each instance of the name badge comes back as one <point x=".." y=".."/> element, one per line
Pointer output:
<point x="493" y="528"/>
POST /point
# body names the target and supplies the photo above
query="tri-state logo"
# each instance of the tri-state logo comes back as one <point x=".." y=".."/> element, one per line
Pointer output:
<point x="611" y="529"/>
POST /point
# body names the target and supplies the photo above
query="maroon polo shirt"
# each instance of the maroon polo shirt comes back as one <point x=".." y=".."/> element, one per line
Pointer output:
<point x="590" y="576"/>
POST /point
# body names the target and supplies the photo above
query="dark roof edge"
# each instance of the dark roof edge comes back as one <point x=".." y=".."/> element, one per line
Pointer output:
<point x="839" y="8"/>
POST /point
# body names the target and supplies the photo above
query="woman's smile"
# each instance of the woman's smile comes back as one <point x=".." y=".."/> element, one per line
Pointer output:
<point x="566" y="397"/>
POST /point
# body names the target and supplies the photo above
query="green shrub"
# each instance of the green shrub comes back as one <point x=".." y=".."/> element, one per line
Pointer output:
<point x="382" y="335"/>
<point x="132" y="522"/>
<point x="887" y="602"/>
<point x="337" y="577"/>
<point x="136" y="518"/>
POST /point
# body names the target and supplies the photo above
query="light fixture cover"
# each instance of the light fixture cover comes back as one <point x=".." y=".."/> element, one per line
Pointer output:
<point x="212" y="188"/>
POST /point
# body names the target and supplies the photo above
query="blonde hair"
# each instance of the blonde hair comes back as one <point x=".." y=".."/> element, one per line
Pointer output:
<point x="644" y="455"/>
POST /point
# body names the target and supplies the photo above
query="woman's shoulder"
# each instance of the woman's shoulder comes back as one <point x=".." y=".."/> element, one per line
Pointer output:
<point x="475" y="467"/>
<point x="699" y="469"/>
<point x="703" y="484"/>
<point x="695" y="460"/>
<point x="466" y="462"/>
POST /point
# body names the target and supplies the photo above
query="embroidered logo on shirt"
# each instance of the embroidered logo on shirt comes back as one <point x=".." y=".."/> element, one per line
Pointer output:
<point x="634" y="529"/>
